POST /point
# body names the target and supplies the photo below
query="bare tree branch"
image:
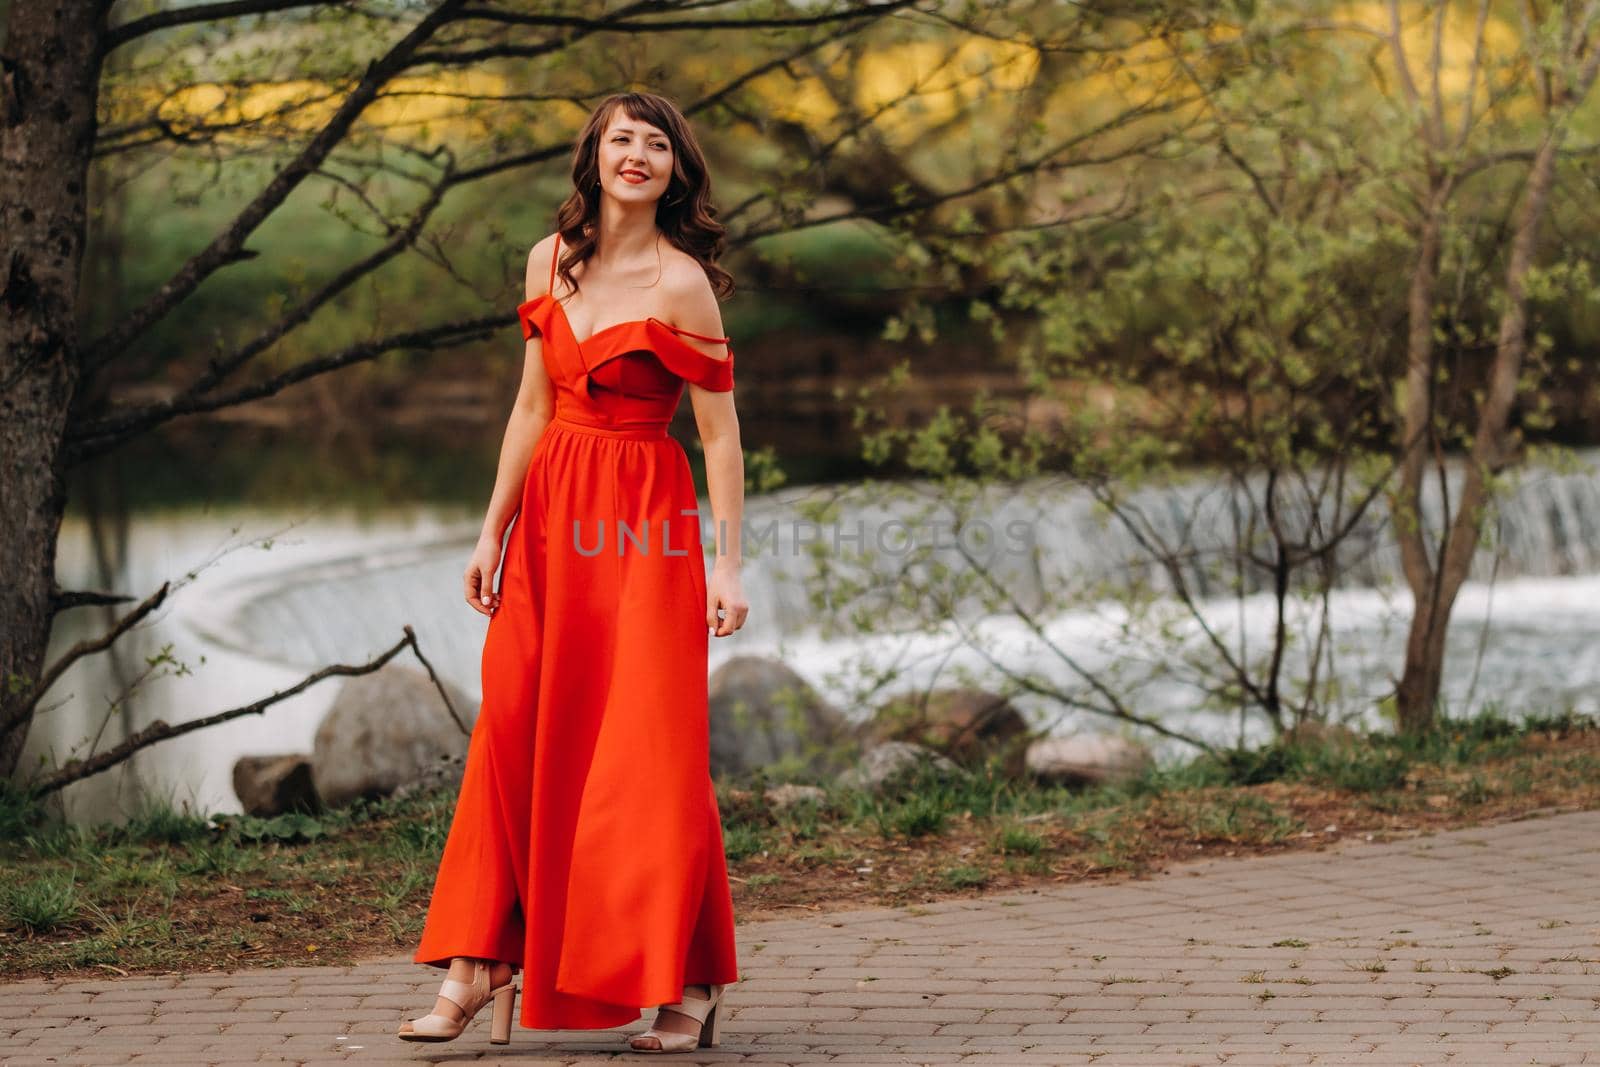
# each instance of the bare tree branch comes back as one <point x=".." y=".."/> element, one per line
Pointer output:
<point x="115" y="428"/>
<point x="160" y="730"/>
<point x="438" y="684"/>
<point x="117" y="36"/>
<point x="23" y="711"/>
<point x="862" y="9"/>
<point x="90" y="437"/>
<point x="1117" y="710"/>
<point x="97" y="437"/>
<point x="228" y="246"/>
<point x="65" y="600"/>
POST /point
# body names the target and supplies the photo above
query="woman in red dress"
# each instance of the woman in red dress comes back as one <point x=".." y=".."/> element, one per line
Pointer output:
<point x="586" y="847"/>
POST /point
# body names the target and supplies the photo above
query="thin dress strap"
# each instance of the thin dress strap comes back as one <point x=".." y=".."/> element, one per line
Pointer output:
<point x="691" y="333"/>
<point x="554" y="256"/>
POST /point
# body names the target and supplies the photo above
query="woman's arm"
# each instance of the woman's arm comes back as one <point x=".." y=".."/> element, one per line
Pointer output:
<point x="530" y="414"/>
<point x="719" y="432"/>
<point x="718" y="423"/>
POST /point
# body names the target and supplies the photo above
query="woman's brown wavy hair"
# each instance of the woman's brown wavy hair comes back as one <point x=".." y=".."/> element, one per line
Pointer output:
<point x="684" y="213"/>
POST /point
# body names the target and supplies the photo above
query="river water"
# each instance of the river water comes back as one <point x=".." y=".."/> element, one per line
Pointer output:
<point x="263" y="597"/>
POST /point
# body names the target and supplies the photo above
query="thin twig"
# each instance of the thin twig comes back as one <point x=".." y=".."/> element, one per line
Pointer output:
<point x="67" y="599"/>
<point x="160" y="730"/>
<point x="437" y="684"/>
<point x="23" y="711"/>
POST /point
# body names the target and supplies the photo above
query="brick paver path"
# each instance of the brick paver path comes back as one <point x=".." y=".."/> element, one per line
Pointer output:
<point x="1474" y="946"/>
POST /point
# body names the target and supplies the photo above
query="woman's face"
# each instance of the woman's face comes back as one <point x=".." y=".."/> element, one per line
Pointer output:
<point x="635" y="159"/>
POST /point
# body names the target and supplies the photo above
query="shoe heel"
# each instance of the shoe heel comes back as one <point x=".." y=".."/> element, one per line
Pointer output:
<point x="500" y="1016"/>
<point x="708" y="1029"/>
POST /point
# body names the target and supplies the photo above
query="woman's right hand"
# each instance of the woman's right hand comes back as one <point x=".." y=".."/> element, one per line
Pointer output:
<point x="479" y="579"/>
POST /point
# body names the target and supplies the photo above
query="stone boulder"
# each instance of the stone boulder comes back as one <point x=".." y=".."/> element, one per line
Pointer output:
<point x="788" y="794"/>
<point x="272" y="785"/>
<point x="970" y="726"/>
<point x="446" y="773"/>
<point x="765" y="717"/>
<point x="385" y="729"/>
<point x="887" y="764"/>
<point x="1086" y="760"/>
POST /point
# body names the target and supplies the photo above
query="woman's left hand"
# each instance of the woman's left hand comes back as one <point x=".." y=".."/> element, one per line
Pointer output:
<point x="725" y="595"/>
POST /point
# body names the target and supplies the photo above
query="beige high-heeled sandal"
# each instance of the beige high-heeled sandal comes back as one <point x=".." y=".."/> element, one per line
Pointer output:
<point x="702" y="1011"/>
<point x="470" y="997"/>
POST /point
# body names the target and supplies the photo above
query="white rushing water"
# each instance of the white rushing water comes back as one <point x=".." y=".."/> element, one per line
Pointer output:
<point x="336" y="588"/>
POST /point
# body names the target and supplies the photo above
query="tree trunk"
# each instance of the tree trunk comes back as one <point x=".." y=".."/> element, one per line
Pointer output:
<point x="51" y="74"/>
<point x="1419" y="685"/>
<point x="1493" y="446"/>
<point x="1417" y="697"/>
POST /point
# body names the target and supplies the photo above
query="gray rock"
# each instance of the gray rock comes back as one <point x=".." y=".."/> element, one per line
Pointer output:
<point x="385" y="729"/>
<point x="446" y="773"/>
<point x="882" y="764"/>
<point x="970" y="726"/>
<point x="790" y="793"/>
<point x="272" y="785"/>
<point x="766" y="717"/>
<point x="1086" y="759"/>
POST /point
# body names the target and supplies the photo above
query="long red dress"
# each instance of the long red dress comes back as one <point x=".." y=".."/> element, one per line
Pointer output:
<point x="586" y="845"/>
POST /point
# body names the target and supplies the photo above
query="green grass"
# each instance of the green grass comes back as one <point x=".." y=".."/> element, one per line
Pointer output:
<point x="913" y="816"/>
<point x="41" y="904"/>
<point x="1241" y="815"/>
<point x="166" y="888"/>
<point x="1378" y="762"/>
<point x="1018" y="840"/>
<point x="965" y="877"/>
<point x="741" y="840"/>
<point x="921" y="803"/>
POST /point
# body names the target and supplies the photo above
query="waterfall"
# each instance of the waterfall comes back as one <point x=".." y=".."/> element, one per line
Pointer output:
<point x="344" y="607"/>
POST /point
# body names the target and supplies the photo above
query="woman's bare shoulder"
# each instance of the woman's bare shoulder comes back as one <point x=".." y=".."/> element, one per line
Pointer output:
<point x="693" y="302"/>
<point x="685" y="279"/>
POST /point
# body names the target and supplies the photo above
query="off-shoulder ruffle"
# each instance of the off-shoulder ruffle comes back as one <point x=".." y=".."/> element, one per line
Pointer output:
<point x="640" y="335"/>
